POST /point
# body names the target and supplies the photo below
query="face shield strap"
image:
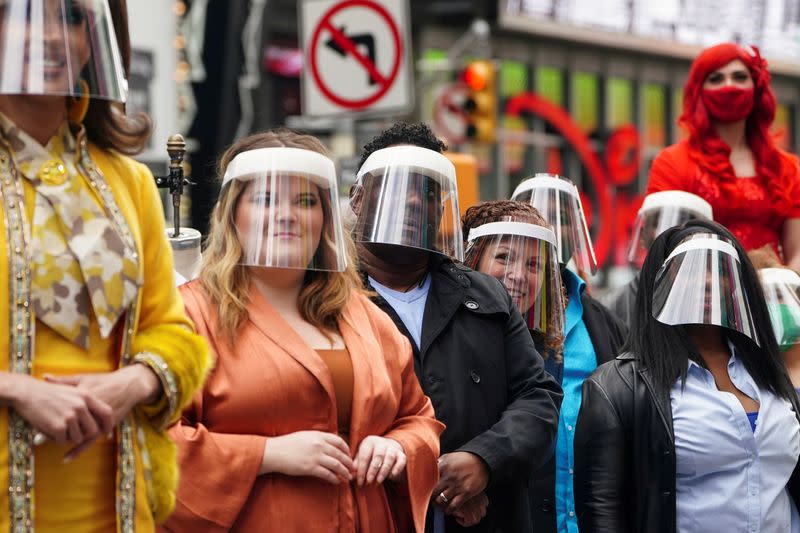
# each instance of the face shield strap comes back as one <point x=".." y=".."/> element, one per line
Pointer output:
<point x="545" y="181"/>
<point x="281" y="160"/>
<point x="779" y="276"/>
<point x="704" y="243"/>
<point x="428" y="162"/>
<point x="678" y="201"/>
<point x="522" y="229"/>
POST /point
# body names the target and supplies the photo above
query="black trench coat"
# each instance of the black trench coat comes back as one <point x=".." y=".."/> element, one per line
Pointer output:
<point x="480" y="368"/>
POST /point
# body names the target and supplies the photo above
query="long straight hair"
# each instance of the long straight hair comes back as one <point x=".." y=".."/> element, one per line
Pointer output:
<point x="665" y="351"/>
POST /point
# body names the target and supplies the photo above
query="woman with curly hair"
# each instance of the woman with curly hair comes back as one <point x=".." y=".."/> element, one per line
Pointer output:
<point x="518" y="249"/>
<point x="506" y="237"/>
<point x="730" y="158"/>
<point x="313" y="419"/>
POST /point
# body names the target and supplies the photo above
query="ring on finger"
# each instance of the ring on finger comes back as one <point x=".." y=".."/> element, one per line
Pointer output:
<point x="443" y="497"/>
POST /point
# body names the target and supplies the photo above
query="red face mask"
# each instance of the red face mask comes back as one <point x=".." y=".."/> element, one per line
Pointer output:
<point x="728" y="104"/>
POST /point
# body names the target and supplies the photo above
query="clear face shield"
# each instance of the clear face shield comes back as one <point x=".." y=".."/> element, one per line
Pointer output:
<point x="701" y="283"/>
<point x="523" y="257"/>
<point x="286" y="212"/>
<point x="661" y="211"/>
<point x="558" y="201"/>
<point x="407" y="196"/>
<point x="782" y="294"/>
<point x="60" y="47"/>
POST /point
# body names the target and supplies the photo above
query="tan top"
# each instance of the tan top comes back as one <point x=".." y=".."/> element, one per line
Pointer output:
<point x="341" y="368"/>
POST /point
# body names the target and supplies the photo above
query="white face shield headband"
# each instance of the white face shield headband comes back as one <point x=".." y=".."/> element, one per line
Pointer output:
<point x="287" y="213"/>
<point x="523" y="257"/>
<point x="407" y="196"/>
<point x="558" y="201"/>
<point x="701" y="283"/>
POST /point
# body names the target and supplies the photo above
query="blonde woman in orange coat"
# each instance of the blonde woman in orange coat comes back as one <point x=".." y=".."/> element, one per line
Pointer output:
<point x="313" y="419"/>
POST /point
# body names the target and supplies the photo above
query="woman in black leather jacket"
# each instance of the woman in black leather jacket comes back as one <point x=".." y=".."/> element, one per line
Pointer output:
<point x="634" y="471"/>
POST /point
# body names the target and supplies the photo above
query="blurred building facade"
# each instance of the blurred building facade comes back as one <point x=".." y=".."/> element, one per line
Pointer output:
<point x="563" y="87"/>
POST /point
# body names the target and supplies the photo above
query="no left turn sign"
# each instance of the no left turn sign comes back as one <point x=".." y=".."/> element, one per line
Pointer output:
<point x="356" y="56"/>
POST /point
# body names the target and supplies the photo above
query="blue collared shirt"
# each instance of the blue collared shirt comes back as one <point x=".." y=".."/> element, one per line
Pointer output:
<point x="580" y="361"/>
<point x="729" y="477"/>
<point x="410" y="307"/>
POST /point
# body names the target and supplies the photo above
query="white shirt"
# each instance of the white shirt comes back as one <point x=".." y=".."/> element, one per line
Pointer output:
<point x="729" y="478"/>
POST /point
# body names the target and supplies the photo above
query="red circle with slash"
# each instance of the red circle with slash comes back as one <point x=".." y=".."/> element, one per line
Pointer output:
<point x="384" y="82"/>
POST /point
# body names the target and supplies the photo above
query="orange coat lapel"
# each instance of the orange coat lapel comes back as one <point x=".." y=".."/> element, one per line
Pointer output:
<point x="352" y="322"/>
<point x="267" y="320"/>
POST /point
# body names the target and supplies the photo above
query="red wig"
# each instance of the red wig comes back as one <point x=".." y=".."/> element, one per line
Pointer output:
<point x="705" y="146"/>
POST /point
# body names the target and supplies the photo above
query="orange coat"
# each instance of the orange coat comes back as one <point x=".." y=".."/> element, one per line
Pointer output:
<point x="273" y="384"/>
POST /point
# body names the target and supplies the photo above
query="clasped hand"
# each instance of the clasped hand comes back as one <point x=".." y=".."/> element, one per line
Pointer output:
<point x="463" y="477"/>
<point x="78" y="409"/>
<point x="327" y="456"/>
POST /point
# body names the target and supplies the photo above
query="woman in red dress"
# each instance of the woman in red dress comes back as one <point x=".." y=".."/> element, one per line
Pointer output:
<point x="730" y="158"/>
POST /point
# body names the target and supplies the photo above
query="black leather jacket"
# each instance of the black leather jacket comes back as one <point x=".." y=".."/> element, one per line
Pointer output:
<point x="625" y="453"/>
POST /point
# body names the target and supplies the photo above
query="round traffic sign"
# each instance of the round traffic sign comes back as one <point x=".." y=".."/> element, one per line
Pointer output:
<point x="384" y="80"/>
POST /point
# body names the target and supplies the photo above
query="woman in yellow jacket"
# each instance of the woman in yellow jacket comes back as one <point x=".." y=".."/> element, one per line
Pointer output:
<point x="97" y="356"/>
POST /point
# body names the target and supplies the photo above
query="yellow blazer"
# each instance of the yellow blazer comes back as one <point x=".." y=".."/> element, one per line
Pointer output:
<point x="156" y="332"/>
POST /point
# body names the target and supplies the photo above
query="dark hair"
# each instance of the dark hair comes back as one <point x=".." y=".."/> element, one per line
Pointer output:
<point x="665" y="350"/>
<point x="417" y="134"/>
<point x="496" y="210"/>
<point x="106" y="124"/>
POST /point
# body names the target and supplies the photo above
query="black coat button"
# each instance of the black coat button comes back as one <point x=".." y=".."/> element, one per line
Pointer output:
<point x="476" y="378"/>
<point x="431" y="380"/>
<point x="547" y="506"/>
<point x="471" y="304"/>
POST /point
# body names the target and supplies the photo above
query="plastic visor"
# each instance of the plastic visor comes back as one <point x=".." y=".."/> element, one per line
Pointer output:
<point x="287" y="212"/>
<point x="558" y="201"/>
<point x="659" y="212"/>
<point x="782" y="294"/>
<point x="523" y="257"/>
<point x="60" y="47"/>
<point x="701" y="283"/>
<point x="407" y="196"/>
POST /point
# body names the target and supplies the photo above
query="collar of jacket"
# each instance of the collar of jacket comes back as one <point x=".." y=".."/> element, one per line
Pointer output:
<point x="662" y="402"/>
<point x="453" y="285"/>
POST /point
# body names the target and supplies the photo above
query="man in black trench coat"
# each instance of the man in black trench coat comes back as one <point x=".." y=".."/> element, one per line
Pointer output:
<point x="473" y="354"/>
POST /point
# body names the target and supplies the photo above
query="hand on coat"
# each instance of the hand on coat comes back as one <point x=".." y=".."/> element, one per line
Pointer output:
<point x="122" y="390"/>
<point x="472" y="512"/>
<point x="462" y="476"/>
<point x="309" y="453"/>
<point x="379" y="458"/>
<point x="63" y="413"/>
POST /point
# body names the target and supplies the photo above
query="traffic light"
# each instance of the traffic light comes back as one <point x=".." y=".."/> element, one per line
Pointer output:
<point x="480" y="105"/>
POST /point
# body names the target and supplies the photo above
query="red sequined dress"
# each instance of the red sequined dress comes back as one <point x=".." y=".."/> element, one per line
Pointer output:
<point x="747" y="207"/>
